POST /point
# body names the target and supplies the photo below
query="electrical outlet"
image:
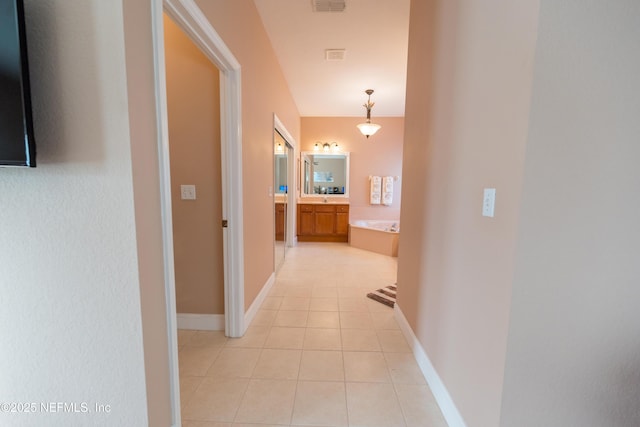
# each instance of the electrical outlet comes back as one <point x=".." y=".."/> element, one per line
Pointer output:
<point x="489" y="202"/>
<point x="188" y="192"/>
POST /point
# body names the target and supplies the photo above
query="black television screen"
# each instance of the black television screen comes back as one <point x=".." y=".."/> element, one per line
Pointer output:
<point x="17" y="145"/>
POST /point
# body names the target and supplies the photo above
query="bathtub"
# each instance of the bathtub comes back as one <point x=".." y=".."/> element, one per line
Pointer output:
<point x="376" y="236"/>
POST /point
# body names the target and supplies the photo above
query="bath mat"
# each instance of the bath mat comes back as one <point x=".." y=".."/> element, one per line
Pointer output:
<point x="386" y="295"/>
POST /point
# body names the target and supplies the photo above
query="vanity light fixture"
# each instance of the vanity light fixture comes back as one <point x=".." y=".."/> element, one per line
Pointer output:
<point x="367" y="128"/>
<point x="279" y="148"/>
<point x="326" y="147"/>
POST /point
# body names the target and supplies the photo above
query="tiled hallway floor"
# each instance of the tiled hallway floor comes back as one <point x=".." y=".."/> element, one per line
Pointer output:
<point x="318" y="353"/>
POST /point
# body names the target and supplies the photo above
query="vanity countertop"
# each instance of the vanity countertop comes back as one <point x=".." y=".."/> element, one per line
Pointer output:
<point x="321" y="202"/>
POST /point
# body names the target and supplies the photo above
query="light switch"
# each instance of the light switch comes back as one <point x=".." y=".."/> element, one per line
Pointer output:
<point x="489" y="202"/>
<point x="188" y="192"/>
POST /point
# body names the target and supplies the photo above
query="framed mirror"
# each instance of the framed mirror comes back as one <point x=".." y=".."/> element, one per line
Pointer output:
<point x="324" y="174"/>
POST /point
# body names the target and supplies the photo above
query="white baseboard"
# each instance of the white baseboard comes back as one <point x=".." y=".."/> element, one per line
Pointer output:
<point x="255" y="305"/>
<point x="202" y="322"/>
<point x="440" y="392"/>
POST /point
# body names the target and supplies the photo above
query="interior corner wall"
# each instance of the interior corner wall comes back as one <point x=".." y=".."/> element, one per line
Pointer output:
<point x="468" y="96"/>
<point x="264" y="92"/>
<point x="70" y="323"/>
<point x="146" y="190"/>
<point x="380" y="154"/>
<point x="573" y="355"/>
<point x="193" y="108"/>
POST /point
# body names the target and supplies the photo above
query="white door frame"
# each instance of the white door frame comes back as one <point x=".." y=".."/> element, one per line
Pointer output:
<point x="188" y="16"/>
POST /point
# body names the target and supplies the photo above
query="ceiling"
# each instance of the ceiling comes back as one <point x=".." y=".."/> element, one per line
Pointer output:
<point x="374" y="34"/>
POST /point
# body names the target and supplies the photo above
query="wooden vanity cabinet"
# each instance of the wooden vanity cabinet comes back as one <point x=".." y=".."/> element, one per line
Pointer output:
<point x="280" y="221"/>
<point x="342" y="220"/>
<point x="323" y="223"/>
<point x="305" y="220"/>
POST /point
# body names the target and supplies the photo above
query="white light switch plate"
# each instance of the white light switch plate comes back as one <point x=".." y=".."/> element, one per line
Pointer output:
<point x="489" y="202"/>
<point x="188" y="192"/>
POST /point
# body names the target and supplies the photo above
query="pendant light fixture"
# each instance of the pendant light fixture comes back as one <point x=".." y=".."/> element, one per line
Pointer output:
<point x="368" y="128"/>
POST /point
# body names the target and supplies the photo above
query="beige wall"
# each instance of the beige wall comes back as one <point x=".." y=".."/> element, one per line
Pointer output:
<point x="146" y="190"/>
<point x="573" y="357"/>
<point x="468" y="93"/>
<point x="193" y="106"/>
<point x="381" y="155"/>
<point x="264" y="92"/>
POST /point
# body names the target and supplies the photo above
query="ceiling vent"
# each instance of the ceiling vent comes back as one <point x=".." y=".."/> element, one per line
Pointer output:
<point x="334" y="54"/>
<point x="329" y="5"/>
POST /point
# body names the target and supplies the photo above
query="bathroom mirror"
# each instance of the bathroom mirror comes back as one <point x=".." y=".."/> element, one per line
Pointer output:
<point x="324" y="174"/>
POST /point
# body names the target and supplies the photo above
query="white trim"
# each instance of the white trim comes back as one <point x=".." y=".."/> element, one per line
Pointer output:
<point x="440" y="392"/>
<point x="195" y="24"/>
<point x="255" y="306"/>
<point x="190" y="18"/>
<point x="201" y="322"/>
<point x="234" y="235"/>
<point x="165" y="208"/>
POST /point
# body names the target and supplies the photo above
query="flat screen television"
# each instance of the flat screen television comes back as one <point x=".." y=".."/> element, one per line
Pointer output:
<point x="17" y="144"/>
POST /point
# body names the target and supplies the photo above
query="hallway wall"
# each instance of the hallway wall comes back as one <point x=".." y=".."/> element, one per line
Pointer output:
<point x="468" y="94"/>
<point x="143" y="128"/>
<point x="70" y="323"/>
<point x="573" y="357"/>
<point x="264" y="92"/>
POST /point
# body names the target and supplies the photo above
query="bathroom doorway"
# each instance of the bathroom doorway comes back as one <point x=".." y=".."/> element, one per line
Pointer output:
<point x="281" y="190"/>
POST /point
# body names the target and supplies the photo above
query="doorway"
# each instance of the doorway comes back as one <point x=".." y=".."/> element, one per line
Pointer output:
<point x="284" y="167"/>
<point x="193" y="108"/>
<point x="280" y="190"/>
<point x="187" y="15"/>
<point x="283" y="191"/>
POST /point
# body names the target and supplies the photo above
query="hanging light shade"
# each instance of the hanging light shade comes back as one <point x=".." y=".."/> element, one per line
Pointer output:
<point x="367" y="128"/>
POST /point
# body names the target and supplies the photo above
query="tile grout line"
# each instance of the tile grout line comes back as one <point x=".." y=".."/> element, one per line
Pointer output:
<point x="244" y="394"/>
<point x="339" y="285"/>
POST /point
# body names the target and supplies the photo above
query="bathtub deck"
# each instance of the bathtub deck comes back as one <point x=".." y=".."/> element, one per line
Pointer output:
<point x="378" y="241"/>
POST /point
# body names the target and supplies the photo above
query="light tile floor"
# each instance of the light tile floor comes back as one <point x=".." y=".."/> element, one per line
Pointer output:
<point x="318" y="353"/>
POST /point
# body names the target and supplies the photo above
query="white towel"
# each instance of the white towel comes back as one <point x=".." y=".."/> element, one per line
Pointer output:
<point x="387" y="190"/>
<point x="375" y="190"/>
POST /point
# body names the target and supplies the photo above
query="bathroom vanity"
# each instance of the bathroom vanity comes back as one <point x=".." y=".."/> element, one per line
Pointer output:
<point x="326" y="176"/>
<point x="323" y="222"/>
